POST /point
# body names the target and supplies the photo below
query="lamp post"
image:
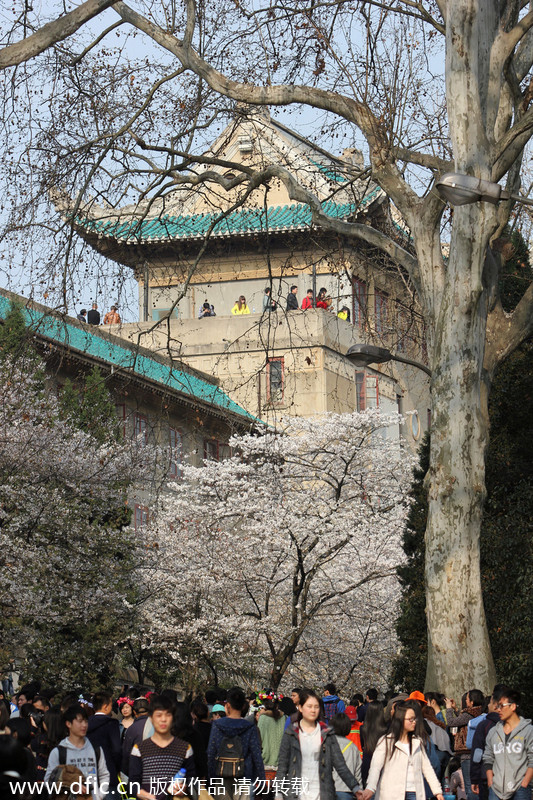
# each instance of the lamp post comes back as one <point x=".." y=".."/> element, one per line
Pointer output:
<point x="362" y="355"/>
<point x="460" y="190"/>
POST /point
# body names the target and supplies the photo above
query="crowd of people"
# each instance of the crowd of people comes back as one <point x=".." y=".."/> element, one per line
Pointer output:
<point x="92" y="317"/>
<point x="152" y="746"/>
<point x="323" y="300"/>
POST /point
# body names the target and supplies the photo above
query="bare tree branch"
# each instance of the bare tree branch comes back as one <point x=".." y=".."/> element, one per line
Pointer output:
<point x="96" y="42"/>
<point x="505" y="42"/>
<point x="51" y="33"/>
<point x="346" y="107"/>
<point x="422" y="159"/>
<point x="508" y="149"/>
<point x="507" y="331"/>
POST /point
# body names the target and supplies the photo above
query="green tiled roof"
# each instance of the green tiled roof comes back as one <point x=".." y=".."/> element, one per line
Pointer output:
<point x="330" y="172"/>
<point x="245" y="221"/>
<point x="137" y="362"/>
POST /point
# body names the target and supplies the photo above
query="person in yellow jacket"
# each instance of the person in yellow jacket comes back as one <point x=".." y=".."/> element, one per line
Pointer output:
<point x="344" y="313"/>
<point x="240" y="306"/>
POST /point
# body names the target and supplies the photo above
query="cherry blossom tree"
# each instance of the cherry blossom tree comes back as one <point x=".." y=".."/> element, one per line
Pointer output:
<point x="66" y="549"/>
<point x="264" y="562"/>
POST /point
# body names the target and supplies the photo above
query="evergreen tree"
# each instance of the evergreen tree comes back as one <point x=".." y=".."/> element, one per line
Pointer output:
<point x="507" y="535"/>
<point x="90" y="407"/>
<point x="409" y="667"/>
<point x="15" y="338"/>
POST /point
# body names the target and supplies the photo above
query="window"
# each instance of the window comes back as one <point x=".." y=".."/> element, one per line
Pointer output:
<point x="425" y="358"/>
<point x="141" y="517"/>
<point x="406" y="323"/>
<point x="175" y="453"/>
<point x="381" y="302"/>
<point x="359" y="302"/>
<point x="224" y="451"/>
<point x="366" y="391"/>
<point x="215" y="450"/>
<point x="120" y="408"/>
<point x="211" y="450"/>
<point x="140" y="427"/>
<point x="160" y="313"/>
<point x="402" y="324"/>
<point x="414" y="421"/>
<point x="274" y="373"/>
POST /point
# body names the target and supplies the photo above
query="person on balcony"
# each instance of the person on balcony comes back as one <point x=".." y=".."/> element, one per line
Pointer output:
<point x="307" y="302"/>
<point x="292" y="300"/>
<point x="240" y="307"/>
<point x="321" y="300"/>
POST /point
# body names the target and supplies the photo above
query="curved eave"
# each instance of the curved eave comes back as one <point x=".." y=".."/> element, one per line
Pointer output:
<point x="247" y="223"/>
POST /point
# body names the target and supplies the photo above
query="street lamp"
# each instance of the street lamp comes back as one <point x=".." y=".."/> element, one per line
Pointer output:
<point x="362" y="355"/>
<point x="460" y="190"/>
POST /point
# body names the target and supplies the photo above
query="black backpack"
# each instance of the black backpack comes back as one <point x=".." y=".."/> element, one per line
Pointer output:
<point x="62" y="755"/>
<point x="230" y="758"/>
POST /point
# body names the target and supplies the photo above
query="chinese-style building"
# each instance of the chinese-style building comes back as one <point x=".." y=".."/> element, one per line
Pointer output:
<point x="207" y="244"/>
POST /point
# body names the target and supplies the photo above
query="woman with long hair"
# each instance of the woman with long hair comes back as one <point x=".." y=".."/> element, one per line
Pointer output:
<point x="4" y="720"/>
<point x="183" y="728"/>
<point x="240" y="307"/>
<point x="53" y="731"/>
<point x="400" y="763"/>
<point x="308" y="755"/>
<point x="371" y="731"/>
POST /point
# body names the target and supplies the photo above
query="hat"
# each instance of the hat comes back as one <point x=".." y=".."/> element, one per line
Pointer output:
<point x="417" y="696"/>
<point x="217" y="707"/>
<point x="351" y="712"/>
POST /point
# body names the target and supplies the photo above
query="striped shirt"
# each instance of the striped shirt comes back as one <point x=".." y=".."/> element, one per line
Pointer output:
<point x="153" y="767"/>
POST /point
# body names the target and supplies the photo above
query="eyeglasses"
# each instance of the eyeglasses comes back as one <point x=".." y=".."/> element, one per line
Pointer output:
<point x="410" y="719"/>
<point x="503" y="705"/>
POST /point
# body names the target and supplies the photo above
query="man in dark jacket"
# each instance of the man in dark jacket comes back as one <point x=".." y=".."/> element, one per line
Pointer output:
<point x="93" y="315"/>
<point x="104" y="732"/>
<point x="227" y="728"/>
<point x="292" y="300"/>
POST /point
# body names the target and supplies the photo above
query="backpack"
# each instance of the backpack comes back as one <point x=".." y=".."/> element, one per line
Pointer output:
<point x="330" y="709"/>
<point x="62" y="756"/>
<point x="230" y="758"/>
<point x="472" y="725"/>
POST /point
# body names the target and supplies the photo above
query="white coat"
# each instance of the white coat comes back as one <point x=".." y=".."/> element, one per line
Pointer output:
<point x="389" y="776"/>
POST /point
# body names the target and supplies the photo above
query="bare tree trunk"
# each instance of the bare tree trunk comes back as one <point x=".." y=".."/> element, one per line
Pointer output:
<point x="459" y="648"/>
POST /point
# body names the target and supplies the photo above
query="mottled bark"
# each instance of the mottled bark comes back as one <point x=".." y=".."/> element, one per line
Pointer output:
<point x="460" y="654"/>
